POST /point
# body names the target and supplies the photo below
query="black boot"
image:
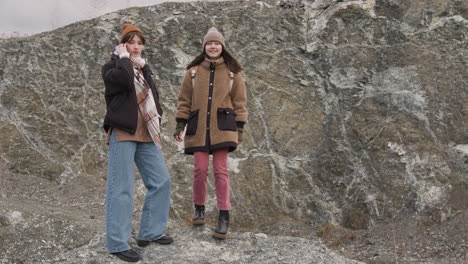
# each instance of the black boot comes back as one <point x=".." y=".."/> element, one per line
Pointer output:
<point x="223" y="224"/>
<point x="199" y="216"/>
<point x="128" y="255"/>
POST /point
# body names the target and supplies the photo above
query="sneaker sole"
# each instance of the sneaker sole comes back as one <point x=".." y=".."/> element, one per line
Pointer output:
<point x="164" y="242"/>
<point x="125" y="258"/>
<point x="161" y="242"/>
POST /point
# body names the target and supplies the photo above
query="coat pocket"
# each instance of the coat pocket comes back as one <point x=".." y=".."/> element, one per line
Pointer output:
<point x="226" y="119"/>
<point x="192" y="124"/>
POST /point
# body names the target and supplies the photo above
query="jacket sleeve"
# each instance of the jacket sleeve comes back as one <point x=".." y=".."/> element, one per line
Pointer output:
<point x="239" y="99"/>
<point x="119" y="75"/>
<point x="184" y="102"/>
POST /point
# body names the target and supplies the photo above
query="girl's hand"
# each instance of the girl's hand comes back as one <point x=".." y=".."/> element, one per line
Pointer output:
<point x="122" y="51"/>
<point x="179" y="136"/>
<point x="179" y="131"/>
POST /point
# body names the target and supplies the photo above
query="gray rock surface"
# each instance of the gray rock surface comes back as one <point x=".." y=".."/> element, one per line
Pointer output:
<point x="358" y="118"/>
<point x="57" y="235"/>
<point x="196" y="245"/>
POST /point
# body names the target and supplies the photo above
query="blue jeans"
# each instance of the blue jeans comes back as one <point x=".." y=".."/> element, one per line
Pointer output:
<point x="119" y="197"/>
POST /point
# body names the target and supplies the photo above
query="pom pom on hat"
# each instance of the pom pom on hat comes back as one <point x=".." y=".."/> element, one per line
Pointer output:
<point x="213" y="35"/>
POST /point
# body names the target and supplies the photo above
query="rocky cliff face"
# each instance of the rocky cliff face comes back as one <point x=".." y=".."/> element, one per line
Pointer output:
<point x="358" y="116"/>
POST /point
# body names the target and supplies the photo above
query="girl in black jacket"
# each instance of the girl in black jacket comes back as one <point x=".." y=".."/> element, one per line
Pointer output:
<point x="132" y="124"/>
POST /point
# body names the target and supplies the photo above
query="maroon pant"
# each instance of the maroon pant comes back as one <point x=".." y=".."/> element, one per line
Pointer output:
<point x="221" y="176"/>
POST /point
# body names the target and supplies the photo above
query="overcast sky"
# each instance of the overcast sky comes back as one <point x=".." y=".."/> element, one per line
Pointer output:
<point x="35" y="16"/>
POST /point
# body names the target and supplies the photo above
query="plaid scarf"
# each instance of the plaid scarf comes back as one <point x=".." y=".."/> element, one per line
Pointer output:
<point x="147" y="106"/>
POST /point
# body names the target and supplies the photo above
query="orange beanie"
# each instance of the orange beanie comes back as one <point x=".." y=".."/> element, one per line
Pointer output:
<point x="129" y="28"/>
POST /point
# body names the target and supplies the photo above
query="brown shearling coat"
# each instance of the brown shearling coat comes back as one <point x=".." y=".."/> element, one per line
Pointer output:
<point x="212" y="113"/>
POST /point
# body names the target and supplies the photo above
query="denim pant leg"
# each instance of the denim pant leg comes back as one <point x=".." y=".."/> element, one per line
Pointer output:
<point x="119" y="195"/>
<point x="152" y="166"/>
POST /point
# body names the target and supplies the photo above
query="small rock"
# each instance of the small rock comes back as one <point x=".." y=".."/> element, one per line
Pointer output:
<point x="15" y="218"/>
<point x="4" y="221"/>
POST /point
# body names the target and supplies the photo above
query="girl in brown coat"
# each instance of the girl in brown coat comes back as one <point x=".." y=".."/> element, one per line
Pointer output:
<point x="213" y="104"/>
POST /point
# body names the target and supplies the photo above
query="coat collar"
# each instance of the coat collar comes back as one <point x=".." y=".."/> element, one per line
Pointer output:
<point x="219" y="63"/>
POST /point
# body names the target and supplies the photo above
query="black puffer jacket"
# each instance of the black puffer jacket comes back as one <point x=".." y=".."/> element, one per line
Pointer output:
<point x="121" y="102"/>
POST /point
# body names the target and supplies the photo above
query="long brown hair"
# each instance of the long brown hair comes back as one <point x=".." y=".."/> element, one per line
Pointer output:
<point x="230" y="61"/>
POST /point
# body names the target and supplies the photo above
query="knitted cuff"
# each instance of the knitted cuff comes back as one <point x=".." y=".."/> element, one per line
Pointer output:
<point x="124" y="55"/>
<point x="180" y="125"/>
<point x="240" y="124"/>
<point x="181" y="120"/>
